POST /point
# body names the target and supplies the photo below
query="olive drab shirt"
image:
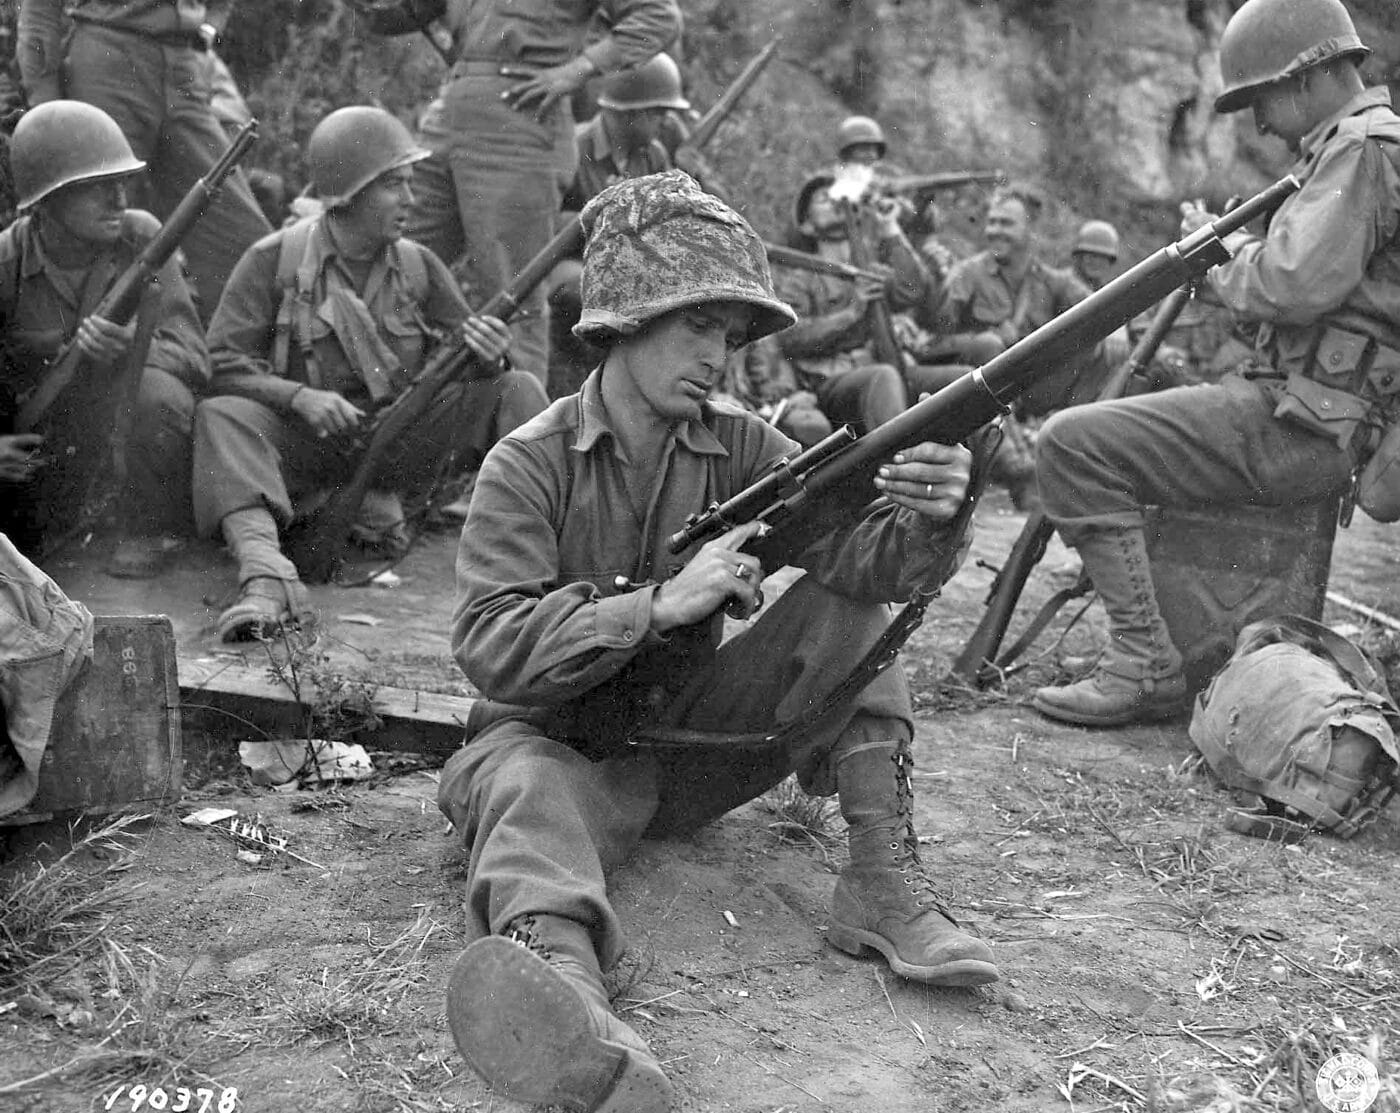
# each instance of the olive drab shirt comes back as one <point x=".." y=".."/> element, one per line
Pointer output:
<point x="542" y="33"/>
<point x="41" y="30"/>
<point x="539" y="620"/>
<point x="597" y="164"/>
<point x="980" y="296"/>
<point x="243" y="332"/>
<point x="42" y="305"/>
<point x="1331" y="253"/>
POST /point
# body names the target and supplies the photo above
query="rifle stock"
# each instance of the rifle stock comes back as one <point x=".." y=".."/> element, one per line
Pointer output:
<point x="315" y="544"/>
<point x="123" y="298"/>
<point x="978" y="663"/>
<point x="836" y="490"/>
<point x="782" y="256"/>
<point x="718" y="112"/>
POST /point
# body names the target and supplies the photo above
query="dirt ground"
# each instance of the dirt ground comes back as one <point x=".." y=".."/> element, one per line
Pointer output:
<point x="1151" y="959"/>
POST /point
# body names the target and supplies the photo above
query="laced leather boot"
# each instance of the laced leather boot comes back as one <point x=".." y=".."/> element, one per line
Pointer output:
<point x="529" y="1013"/>
<point x="884" y="900"/>
<point x="1140" y="677"/>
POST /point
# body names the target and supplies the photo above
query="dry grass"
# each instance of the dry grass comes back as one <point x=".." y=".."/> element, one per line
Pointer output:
<point x="802" y="818"/>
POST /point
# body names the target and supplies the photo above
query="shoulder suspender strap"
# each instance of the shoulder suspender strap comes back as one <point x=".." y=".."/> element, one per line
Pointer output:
<point x="295" y="278"/>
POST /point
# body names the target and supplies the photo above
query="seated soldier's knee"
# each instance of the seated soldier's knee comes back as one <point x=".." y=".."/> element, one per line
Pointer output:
<point x="164" y="401"/>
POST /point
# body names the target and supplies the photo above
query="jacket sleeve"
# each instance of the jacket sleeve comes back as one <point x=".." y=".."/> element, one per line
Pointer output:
<point x="1319" y="242"/>
<point x="403" y="18"/>
<point x="912" y="284"/>
<point x="519" y="633"/>
<point x="952" y="312"/>
<point x="242" y="330"/>
<point x="40" y="48"/>
<point x="178" y="346"/>
<point x="818" y="334"/>
<point x="637" y="31"/>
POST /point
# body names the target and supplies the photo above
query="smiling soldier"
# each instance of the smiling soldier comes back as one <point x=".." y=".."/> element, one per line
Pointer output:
<point x="584" y="632"/>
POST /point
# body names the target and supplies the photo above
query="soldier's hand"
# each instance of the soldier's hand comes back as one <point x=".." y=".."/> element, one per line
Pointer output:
<point x="930" y="479"/>
<point x="541" y="88"/>
<point x="103" y="342"/>
<point x="715" y="575"/>
<point x="871" y="289"/>
<point x="488" y="337"/>
<point x="888" y="213"/>
<point x="325" y="411"/>
<point x="1194" y="216"/>
<point x="19" y="457"/>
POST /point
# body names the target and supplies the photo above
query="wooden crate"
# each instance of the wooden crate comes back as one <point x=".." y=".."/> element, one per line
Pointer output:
<point x="116" y="741"/>
<point x="1218" y="569"/>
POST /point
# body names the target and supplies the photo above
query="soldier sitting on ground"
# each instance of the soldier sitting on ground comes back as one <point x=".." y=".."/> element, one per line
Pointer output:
<point x="573" y="615"/>
<point x="136" y="383"/>
<point x="322" y="323"/>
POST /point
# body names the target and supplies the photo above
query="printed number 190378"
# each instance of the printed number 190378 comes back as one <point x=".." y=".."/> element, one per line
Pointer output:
<point x="177" y="1100"/>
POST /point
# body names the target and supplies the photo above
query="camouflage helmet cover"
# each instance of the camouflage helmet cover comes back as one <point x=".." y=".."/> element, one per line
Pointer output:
<point x="63" y="142"/>
<point x="353" y="146"/>
<point x="656" y="83"/>
<point x="1271" y="40"/>
<point x="659" y="243"/>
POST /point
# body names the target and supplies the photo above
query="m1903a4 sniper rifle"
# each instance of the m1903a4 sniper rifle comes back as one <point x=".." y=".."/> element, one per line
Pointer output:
<point x="316" y="544"/>
<point x="830" y="484"/>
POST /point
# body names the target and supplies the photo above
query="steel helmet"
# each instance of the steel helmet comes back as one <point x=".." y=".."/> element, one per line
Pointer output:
<point x="656" y="83"/>
<point x="824" y="179"/>
<point x="859" y="129"/>
<point x="1271" y="40"/>
<point x="353" y="146"/>
<point x="1099" y="237"/>
<point x="61" y="142"/>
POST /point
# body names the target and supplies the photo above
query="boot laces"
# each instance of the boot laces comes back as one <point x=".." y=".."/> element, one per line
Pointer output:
<point x="905" y="844"/>
<point x="525" y="931"/>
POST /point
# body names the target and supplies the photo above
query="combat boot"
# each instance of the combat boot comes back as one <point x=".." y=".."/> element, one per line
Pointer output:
<point x="884" y="900"/>
<point x="1139" y="678"/>
<point x="528" y="1011"/>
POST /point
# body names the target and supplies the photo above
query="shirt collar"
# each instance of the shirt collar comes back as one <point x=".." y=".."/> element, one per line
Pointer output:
<point x="1378" y="97"/>
<point x="594" y="423"/>
<point x="327" y="249"/>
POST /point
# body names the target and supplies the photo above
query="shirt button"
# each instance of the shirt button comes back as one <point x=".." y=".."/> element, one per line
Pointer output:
<point x="627" y="635"/>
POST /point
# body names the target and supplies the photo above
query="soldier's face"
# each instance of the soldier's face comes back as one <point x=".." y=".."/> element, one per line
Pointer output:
<point x="90" y="212"/>
<point x="1008" y="229"/>
<point x="865" y="153"/>
<point x="637" y="128"/>
<point x="1094" y="268"/>
<point x="670" y="367"/>
<point x="1280" y="110"/>
<point x="378" y="214"/>
<point x="824" y="218"/>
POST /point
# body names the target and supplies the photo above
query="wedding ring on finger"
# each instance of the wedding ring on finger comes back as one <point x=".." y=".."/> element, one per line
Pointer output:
<point x="929" y="489"/>
<point x="741" y="571"/>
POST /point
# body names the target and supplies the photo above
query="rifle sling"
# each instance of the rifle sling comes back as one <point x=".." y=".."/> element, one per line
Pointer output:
<point x="881" y="654"/>
<point x="1049" y="609"/>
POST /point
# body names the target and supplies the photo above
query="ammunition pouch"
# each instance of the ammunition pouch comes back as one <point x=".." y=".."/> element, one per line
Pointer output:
<point x="1327" y="411"/>
<point x="1346" y="389"/>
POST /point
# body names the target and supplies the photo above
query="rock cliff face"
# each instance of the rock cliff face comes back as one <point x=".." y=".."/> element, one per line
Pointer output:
<point x="1105" y="103"/>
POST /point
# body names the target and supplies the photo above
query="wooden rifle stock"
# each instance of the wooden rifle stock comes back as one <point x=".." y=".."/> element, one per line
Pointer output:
<point x="979" y="663"/>
<point x="836" y="490"/>
<point x="705" y="128"/>
<point x="879" y="321"/>
<point x="123" y="298"/>
<point x="316" y="544"/>
<point x="782" y="256"/>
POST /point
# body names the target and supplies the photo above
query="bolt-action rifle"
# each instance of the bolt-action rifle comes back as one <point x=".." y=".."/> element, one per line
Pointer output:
<point x="979" y="662"/>
<point x="705" y="128"/>
<point x="919" y="189"/>
<point x="782" y="256"/>
<point x="830" y="484"/>
<point x="121" y="301"/>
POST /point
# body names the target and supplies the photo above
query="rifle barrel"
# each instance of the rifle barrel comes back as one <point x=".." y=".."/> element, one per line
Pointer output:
<point x="709" y="123"/>
<point x="804" y="260"/>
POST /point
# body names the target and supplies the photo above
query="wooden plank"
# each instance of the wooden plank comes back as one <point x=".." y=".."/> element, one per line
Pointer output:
<point x="226" y="698"/>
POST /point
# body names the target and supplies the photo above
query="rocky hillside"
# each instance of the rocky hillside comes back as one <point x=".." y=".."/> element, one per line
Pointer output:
<point x="1105" y="103"/>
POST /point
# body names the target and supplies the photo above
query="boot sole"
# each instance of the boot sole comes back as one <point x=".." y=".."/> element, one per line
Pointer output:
<point x="1142" y="713"/>
<point x="958" y="972"/>
<point x="524" y="1029"/>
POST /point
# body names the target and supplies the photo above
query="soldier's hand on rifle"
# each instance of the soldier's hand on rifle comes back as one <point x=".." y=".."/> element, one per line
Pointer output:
<point x="19" y="457"/>
<point x="930" y="479"/>
<point x="717" y="574"/>
<point x="541" y="88"/>
<point x="103" y="342"/>
<point x="871" y="289"/>
<point x="1194" y="216"/>
<point x="888" y="213"/>
<point x="488" y="337"/>
<point x="325" y="411"/>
